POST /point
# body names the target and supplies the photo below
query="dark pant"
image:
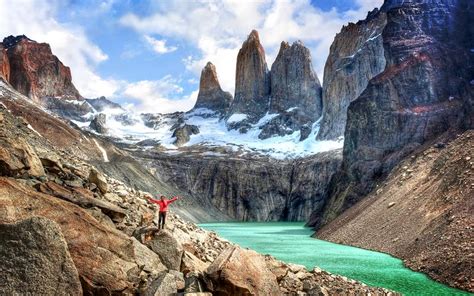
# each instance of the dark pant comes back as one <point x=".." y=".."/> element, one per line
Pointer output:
<point x="161" y="220"/>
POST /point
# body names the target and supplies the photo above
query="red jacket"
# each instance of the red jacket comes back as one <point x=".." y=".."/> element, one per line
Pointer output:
<point x="163" y="204"/>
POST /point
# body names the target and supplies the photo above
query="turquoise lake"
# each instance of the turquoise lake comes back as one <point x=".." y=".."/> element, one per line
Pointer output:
<point x="291" y="242"/>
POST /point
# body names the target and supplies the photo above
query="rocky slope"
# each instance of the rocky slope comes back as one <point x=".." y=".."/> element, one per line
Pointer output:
<point x="61" y="216"/>
<point x="247" y="188"/>
<point x="423" y="91"/>
<point x="422" y="213"/>
<point x="211" y="96"/>
<point x="355" y="57"/>
<point x="36" y="72"/>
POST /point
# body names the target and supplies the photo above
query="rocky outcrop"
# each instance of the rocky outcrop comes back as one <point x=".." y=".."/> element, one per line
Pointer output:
<point x="183" y="134"/>
<point x="249" y="188"/>
<point x="36" y="72"/>
<point x="294" y="87"/>
<point x="252" y="84"/>
<point x="99" y="124"/>
<point x="241" y="272"/>
<point x="35" y="260"/>
<point x="4" y="64"/>
<point x="102" y="103"/>
<point x="420" y="213"/>
<point x="423" y="91"/>
<point x="355" y="57"/>
<point x="211" y="96"/>
<point x="18" y="158"/>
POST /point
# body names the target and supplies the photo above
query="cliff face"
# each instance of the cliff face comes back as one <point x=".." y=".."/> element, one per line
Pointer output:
<point x="423" y="91"/>
<point x="355" y="57"/>
<point x="249" y="189"/>
<point x="211" y="95"/>
<point x="36" y="72"/>
<point x="4" y="64"/>
<point x="252" y="84"/>
<point x="295" y="91"/>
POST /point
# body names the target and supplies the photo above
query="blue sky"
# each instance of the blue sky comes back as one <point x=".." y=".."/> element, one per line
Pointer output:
<point x="148" y="54"/>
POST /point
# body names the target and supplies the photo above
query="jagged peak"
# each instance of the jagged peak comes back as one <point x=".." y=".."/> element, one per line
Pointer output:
<point x="13" y="40"/>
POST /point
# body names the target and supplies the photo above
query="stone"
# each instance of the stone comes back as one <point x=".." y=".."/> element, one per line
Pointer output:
<point x="211" y="96"/>
<point x="240" y="272"/>
<point x="168" y="248"/>
<point x="183" y="134"/>
<point x="36" y="72"/>
<point x="252" y="84"/>
<point x="35" y="260"/>
<point x="99" y="179"/>
<point x="179" y="278"/>
<point x="107" y="260"/>
<point x="99" y="123"/>
<point x="17" y="157"/>
<point x="165" y="285"/>
<point x="191" y="263"/>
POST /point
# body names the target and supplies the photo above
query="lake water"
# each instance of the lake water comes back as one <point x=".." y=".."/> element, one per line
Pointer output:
<point x="291" y="242"/>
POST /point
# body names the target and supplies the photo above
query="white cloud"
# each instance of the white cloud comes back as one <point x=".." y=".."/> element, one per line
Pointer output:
<point x="218" y="29"/>
<point x="35" y="19"/>
<point x="159" y="96"/>
<point x="159" y="46"/>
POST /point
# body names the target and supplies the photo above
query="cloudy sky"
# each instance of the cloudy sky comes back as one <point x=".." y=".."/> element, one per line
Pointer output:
<point x="148" y="54"/>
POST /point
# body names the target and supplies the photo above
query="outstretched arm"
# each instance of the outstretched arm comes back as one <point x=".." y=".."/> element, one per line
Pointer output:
<point x="150" y="199"/>
<point x="173" y="199"/>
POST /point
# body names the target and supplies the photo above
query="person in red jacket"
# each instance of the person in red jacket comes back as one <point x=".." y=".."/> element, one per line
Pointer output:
<point x="163" y="203"/>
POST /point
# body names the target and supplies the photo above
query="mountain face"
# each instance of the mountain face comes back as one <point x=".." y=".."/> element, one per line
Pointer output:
<point x="36" y="72"/>
<point x="295" y="92"/>
<point x="355" y="57"/>
<point x="423" y="91"/>
<point x="252" y="84"/>
<point x="248" y="188"/>
<point x="4" y="64"/>
<point x="211" y="96"/>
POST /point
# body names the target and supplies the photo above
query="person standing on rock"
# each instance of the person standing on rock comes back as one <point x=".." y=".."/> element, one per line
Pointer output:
<point x="163" y="203"/>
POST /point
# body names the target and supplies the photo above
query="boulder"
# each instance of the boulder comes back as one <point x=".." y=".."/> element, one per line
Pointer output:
<point x="165" y="285"/>
<point x="191" y="263"/>
<point x="35" y="260"/>
<point x="17" y="158"/>
<point x="183" y="134"/>
<point x="240" y="272"/>
<point x="99" y="179"/>
<point x="108" y="261"/>
<point x="168" y="248"/>
<point x="98" y="124"/>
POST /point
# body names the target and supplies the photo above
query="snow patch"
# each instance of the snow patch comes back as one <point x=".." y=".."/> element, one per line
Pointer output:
<point x="237" y="117"/>
<point x="104" y="153"/>
<point x="31" y="128"/>
<point x="291" y="109"/>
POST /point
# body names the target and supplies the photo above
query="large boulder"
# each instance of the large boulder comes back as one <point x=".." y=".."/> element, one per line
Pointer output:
<point x="98" y="179"/>
<point x="35" y="260"/>
<point x="108" y="261"/>
<point x="241" y="272"/>
<point x="17" y="158"/>
<point x="168" y="248"/>
<point x="211" y="96"/>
